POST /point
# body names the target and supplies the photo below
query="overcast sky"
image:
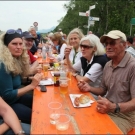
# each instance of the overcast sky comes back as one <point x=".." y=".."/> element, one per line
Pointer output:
<point x="22" y="14"/>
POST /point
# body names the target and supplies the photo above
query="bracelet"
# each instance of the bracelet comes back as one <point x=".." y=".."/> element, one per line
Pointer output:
<point x="21" y="132"/>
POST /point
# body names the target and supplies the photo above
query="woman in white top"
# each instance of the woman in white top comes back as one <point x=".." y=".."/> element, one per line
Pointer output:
<point x="91" y="64"/>
<point x="59" y="45"/>
<point x="73" y="40"/>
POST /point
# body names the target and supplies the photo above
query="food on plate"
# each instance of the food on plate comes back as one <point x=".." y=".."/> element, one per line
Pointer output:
<point x="83" y="99"/>
<point x="76" y="101"/>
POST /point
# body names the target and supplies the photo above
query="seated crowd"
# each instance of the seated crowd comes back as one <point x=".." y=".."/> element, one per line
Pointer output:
<point x="102" y="66"/>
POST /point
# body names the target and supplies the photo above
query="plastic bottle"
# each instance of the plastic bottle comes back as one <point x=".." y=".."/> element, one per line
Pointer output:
<point x="62" y="70"/>
<point x="44" y="52"/>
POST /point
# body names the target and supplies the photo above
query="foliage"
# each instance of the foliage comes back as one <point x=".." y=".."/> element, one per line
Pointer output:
<point x="113" y="14"/>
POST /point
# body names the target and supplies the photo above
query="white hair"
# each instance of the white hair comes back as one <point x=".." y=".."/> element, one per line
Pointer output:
<point x="95" y="41"/>
<point x="31" y="28"/>
<point x="50" y="34"/>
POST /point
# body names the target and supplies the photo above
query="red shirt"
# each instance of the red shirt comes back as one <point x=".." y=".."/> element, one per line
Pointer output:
<point x="32" y="58"/>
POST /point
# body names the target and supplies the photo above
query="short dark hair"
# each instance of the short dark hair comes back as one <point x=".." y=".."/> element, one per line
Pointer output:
<point x="130" y="39"/>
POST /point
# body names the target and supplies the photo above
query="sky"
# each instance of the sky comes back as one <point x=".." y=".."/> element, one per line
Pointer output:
<point x="22" y="14"/>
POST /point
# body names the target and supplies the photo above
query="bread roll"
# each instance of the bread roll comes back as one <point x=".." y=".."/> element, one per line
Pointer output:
<point x="83" y="99"/>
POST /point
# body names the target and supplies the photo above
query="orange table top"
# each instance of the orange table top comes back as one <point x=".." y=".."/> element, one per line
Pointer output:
<point x="83" y="120"/>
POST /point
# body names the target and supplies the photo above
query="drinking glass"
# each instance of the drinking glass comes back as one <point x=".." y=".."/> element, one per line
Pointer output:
<point x="62" y="124"/>
<point x="45" y="69"/>
<point x="64" y="82"/>
<point x="54" y="111"/>
<point x="56" y="65"/>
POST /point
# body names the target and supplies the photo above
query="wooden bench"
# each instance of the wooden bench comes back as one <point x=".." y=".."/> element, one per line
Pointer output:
<point x="132" y="132"/>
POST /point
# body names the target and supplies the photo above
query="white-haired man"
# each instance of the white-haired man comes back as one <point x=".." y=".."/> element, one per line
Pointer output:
<point x="117" y="83"/>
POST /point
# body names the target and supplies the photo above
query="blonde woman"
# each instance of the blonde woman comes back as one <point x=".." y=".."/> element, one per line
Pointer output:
<point x="14" y="64"/>
<point x="73" y="40"/>
<point x="90" y="66"/>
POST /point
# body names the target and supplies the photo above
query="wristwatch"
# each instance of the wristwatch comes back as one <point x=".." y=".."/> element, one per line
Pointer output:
<point x="117" y="109"/>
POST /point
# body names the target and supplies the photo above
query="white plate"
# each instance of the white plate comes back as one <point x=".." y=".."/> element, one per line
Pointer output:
<point x="73" y="96"/>
<point x="52" y="72"/>
<point x="46" y="82"/>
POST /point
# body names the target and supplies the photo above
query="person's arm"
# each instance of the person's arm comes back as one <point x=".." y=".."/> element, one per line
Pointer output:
<point x="85" y="87"/>
<point x="33" y="67"/>
<point x="34" y="83"/>
<point x="79" y="77"/>
<point x="3" y="128"/>
<point x="92" y="75"/>
<point x="105" y="106"/>
<point x="10" y="118"/>
<point x="7" y="90"/>
<point x="69" y="64"/>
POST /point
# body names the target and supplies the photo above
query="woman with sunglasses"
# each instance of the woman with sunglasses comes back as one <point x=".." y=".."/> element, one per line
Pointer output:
<point x="14" y="64"/>
<point x="90" y="66"/>
<point x="73" y="40"/>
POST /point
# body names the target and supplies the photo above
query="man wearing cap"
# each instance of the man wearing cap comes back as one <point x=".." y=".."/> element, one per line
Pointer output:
<point x="117" y="83"/>
<point x="28" y="41"/>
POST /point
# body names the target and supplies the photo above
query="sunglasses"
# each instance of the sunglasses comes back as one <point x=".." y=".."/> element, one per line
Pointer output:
<point x="112" y="43"/>
<point x="85" y="46"/>
<point x="12" y="31"/>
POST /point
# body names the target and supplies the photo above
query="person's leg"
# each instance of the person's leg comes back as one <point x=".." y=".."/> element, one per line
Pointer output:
<point x="26" y="128"/>
<point x="26" y="100"/>
<point x="124" y="124"/>
<point x="23" y="112"/>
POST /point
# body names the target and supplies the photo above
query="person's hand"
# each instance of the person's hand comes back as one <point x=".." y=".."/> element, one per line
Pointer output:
<point x="67" y="51"/>
<point x="104" y="105"/>
<point x="36" y="79"/>
<point x="83" y="86"/>
<point x="39" y="68"/>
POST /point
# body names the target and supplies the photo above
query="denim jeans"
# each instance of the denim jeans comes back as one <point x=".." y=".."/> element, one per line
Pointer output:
<point x="22" y="108"/>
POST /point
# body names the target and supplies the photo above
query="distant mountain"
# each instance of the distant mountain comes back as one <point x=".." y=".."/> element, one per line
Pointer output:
<point x="47" y="30"/>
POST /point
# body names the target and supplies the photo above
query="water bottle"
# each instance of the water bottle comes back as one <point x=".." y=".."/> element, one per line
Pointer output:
<point x="62" y="70"/>
<point x="50" y="52"/>
<point x="44" y="52"/>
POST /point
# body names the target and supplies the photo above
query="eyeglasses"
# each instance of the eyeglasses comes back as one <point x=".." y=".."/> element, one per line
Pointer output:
<point x="12" y="31"/>
<point x="85" y="46"/>
<point x="112" y="43"/>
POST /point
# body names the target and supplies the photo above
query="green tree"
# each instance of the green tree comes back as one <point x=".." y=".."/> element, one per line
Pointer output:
<point x="113" y="14"/>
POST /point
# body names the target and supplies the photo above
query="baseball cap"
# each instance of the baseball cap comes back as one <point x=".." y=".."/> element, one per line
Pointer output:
<point x="26" y="35"/>
<point x="114" y="34"/>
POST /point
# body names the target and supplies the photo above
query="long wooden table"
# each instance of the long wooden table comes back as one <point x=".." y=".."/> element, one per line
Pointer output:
<point x="83" y="120"/>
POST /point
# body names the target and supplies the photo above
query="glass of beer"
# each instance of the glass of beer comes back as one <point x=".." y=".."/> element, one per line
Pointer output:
<point x="63" y="81"/>
<point x="45" y="69"/>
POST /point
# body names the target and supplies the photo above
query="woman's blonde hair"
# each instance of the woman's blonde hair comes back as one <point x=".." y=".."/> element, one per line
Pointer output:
<point x="75" y="31"/>
<point x="14" y="65"/>
<point x="95" y="41"/>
